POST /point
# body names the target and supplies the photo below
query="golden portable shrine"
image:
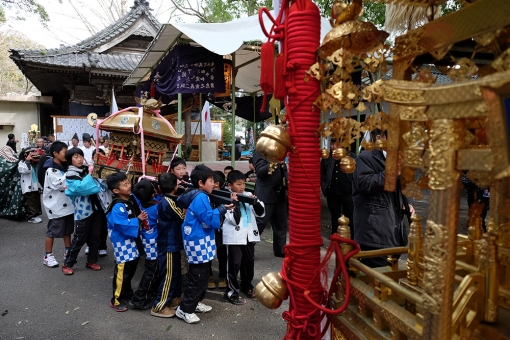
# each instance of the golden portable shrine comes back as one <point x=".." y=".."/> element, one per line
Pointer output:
<point x="139" y="141"/>
<point x="452" y="286"/>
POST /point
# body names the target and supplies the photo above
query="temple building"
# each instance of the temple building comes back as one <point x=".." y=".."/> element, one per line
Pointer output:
<point x="80" y="77"/>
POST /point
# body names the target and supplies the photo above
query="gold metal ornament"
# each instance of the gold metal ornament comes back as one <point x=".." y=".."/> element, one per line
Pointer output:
<point x="348" y="165"/>
<point x="339" y="153"/>
<point x="274" y="144"/>
<point x="380" y="144"/>
<point x="325" y="153"/>
<point x="271" y="290"/>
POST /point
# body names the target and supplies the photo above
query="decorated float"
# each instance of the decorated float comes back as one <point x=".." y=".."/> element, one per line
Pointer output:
<point x="139" y="141"/>
<point x="452" y="286"/>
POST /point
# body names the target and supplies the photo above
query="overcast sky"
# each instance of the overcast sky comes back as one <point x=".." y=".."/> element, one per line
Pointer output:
<point x="66" y="28"/>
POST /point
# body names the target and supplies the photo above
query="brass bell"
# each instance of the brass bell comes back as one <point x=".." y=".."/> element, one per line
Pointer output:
<point x="348" y="165"/>
<point x="325" y="153"/>
<point x="339" y="153"/>
<point x="380" y="144"/>
<point x="274" y="144"/>
<point x="271" y="290"/>
<point x="369" y="146"/>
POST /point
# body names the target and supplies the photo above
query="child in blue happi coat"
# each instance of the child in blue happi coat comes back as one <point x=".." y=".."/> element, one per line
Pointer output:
<point x="144" y="296"/>
<point x="82" y="189"/>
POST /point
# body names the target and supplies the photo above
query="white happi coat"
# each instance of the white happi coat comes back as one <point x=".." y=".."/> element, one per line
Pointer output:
<point x="56" y="202"/>
<point x="234" y="233"/>
<point x="26" y="182"/>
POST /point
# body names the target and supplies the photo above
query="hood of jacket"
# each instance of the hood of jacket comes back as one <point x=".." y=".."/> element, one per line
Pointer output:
<point x="50" y="163"/>
<point x="185" y="199"/>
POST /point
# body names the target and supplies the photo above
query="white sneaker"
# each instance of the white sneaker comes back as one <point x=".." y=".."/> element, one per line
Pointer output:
<point x="187" y="317"/>
<point x="35" y="220"/>
<point x="103" y="253"/>
<point x="49" y="261"/>
<point x="202" y="308"/>
<point x="87" y="250"/>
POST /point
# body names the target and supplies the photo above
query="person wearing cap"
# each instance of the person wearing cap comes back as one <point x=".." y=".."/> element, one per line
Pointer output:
<point x="337" y="188"/>
<point x="75" y="140"/>
<point x="87" y="149"/>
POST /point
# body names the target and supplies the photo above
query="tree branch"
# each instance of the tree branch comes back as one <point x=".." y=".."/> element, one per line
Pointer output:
<point x="190" y="11"/>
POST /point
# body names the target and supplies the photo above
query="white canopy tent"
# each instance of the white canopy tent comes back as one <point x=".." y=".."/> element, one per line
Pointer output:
<point x="239" y="38"/>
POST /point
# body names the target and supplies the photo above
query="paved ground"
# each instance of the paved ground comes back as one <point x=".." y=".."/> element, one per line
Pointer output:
<point x="37" y="302"/>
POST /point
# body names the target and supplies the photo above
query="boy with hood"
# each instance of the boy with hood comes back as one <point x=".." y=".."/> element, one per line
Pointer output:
<point x="199" y="243"/>
<point x="58" y="206"/>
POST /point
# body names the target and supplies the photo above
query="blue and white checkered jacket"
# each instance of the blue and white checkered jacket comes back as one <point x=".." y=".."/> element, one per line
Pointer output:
<point x="198" y="226"/>
<point x="123" y="228"/>
<point x="82" y="189"/>
<point x="150" y="235"/>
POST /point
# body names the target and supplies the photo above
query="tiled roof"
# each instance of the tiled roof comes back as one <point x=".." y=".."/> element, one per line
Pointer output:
<point x="80" y="55"/>
<point x="114" y="62"/>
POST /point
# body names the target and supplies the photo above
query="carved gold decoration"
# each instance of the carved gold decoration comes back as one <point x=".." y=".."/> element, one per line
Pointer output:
<point x="440" y="53"/>
<point x="425" y="76"/>
<point x="502" y="62"/>
<point x="413" y="190"/>
<point x="403" y="96"/>
<point x="409" y="44"/>
<point x="464" y="70"/>
<point x="442" y="144"/>
<point x="435" y="266"/>
<point x="480" y="178"/>
<point x="416" y="137"/>
<point x="414" y="113"/>
<point x="413" y="158"/>
<point x="415" y="247"/>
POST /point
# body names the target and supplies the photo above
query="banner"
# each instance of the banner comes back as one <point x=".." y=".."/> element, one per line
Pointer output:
<point x="188" y="69"/>
<point x="206" y="121"/>
<point x="114" y="107"/>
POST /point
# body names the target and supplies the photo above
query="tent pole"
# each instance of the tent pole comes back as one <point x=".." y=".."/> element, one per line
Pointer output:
<point x="233" y="94"/>
<point x="179" y="120"/>
<point x="200" y="141"/>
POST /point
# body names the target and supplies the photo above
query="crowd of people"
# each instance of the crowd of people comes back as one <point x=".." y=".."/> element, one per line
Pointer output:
<point x="175" y="225"/>
<point x="177" y="232"/>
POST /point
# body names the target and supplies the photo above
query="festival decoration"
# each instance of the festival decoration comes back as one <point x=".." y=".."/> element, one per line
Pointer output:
<point x="138" y="141"/>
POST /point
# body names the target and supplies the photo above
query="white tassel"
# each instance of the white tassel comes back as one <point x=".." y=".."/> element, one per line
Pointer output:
<point x="403" y="18"/>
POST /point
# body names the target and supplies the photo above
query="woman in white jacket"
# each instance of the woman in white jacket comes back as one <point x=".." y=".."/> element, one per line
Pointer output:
<point x="240" y="233"/>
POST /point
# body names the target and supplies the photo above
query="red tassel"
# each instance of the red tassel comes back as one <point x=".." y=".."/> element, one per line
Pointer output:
<point x="280" y="90"/>
<point x="153" y="90"/>
<point x="267" y="67"/>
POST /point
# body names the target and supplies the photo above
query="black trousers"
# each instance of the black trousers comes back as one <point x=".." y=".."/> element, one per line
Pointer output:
<point x="85" y="231"/>
<point x="198" y="276"/>
<point x="240" y="260"/>
<point x="339" y="205"/>
<point x="104" y="230"/>
<point x="149" y="284"/>
<point x="171" y="279"/>
<point x="221" y="252"/>
<point x="33" y="204"/>
<point x="276" y="213"/>
<point x="122" y="276"/>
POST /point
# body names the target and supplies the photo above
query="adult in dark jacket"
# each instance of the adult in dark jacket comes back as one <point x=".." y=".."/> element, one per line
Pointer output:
<point x="270" y="189"/>
<point x="378" y="214"/>
<point x="337" y="188"/>
<point x="238" y="148"/>
<point x="12" y="142"/>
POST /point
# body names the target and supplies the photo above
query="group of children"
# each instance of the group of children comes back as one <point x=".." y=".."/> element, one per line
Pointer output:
<point x="154" y="221"/>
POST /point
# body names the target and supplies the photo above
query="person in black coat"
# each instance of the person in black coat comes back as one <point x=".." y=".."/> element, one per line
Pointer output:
<point x="270" y="189"/>
<point x="378" y="215"/>
<point x="337" y="188"/>
<point x="12" y="142"/>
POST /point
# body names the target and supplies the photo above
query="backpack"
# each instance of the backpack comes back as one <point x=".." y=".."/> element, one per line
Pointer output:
<point x="41" y="170"/>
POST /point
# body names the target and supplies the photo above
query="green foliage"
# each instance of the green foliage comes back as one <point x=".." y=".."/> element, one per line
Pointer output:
<point x="373" y="12"/>
<point x="450" y="6"/>
<point x="224" y="11"/>
<point x="25" y="6"/>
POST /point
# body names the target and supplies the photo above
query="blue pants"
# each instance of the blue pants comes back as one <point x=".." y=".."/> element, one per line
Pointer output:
<point x="169" y="265"/>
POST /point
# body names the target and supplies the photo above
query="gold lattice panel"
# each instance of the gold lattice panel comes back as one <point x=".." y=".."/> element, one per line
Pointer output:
<point x="119" y="139"/>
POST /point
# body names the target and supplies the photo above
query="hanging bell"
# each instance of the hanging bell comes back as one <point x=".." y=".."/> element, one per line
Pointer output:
<point x="271" y="290"/>
<point x="325" y="153"/>
<point x="339" y="153"/>
<point x="369" y="146"/>
<point x="348" y="165"/>
<point x="274" y="144"/>
<point x="380" y="144"/>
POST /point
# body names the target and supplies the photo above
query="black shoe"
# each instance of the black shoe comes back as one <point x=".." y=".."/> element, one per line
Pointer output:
<point x="249" y="293"/>
<point x="145" y="306"/>
<point x="234" y="300"/>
